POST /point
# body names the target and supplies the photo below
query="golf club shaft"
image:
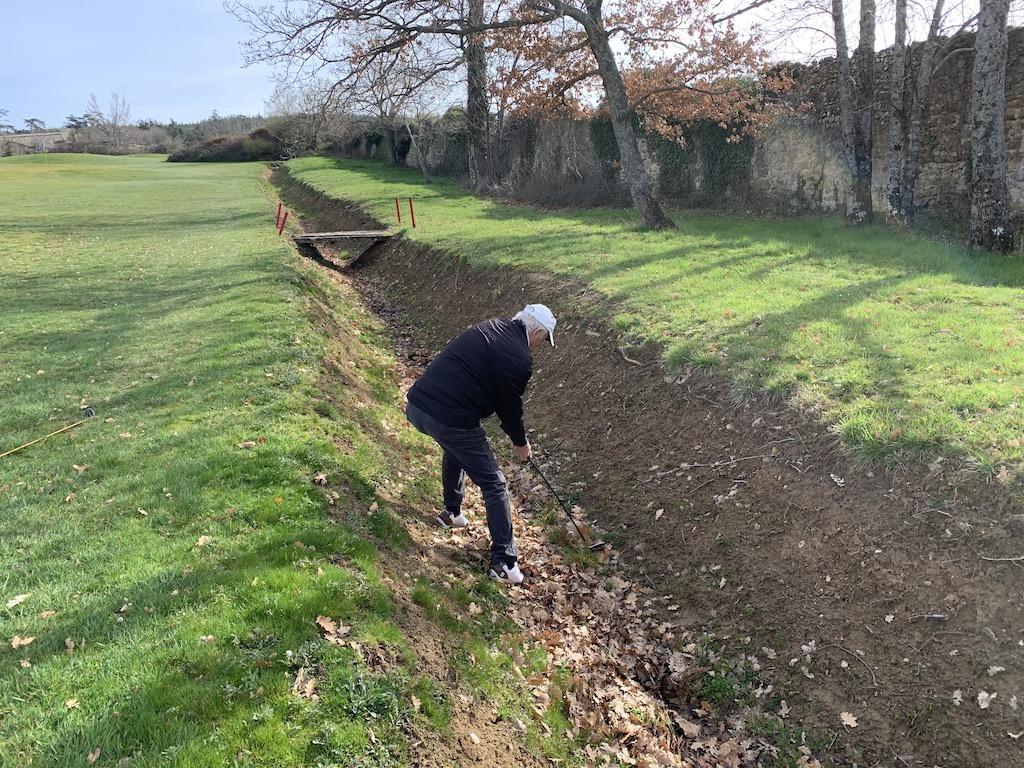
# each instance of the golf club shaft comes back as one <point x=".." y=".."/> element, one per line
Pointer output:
<point x="558" y="498"/>
<point x="44" y="437"/>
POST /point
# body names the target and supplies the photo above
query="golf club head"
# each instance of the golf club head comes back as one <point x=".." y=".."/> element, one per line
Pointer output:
<point x="597" y="546"/>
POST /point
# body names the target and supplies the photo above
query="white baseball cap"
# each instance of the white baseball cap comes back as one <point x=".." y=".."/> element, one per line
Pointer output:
<point x="544" y="317"/>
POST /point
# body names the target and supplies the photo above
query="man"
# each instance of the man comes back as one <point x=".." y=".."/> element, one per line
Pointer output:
<point x="483" y="371"/>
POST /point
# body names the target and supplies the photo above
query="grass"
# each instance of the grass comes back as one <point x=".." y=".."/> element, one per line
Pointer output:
<point x="173" y="577"/>
<point x="907" y="347"/>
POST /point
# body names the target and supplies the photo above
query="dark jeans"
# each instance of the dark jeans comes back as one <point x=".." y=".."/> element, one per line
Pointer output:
<point x="467" y="452"/>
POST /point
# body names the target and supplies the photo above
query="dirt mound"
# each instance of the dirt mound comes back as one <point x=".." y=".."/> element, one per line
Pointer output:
<point x="858" y="598"/>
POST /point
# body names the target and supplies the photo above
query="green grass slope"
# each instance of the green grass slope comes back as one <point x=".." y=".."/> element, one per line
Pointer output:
<point x="906" y="346"/>
<point x="170" y="556"/>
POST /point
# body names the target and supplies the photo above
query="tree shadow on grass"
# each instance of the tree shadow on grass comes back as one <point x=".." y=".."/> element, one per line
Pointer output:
<point x="190" y="689"/>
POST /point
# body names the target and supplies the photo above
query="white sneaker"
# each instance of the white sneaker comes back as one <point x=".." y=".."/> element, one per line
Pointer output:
<point x="447" y="520"/>
<point x="508" y="575"/>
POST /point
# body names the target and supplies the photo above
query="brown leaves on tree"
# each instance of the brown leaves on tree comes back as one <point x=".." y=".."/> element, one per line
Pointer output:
<point x="677" y="64"/>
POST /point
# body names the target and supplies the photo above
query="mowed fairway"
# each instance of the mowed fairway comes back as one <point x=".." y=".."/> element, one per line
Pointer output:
<point x="906" y="346"/>
<point x="167" y="571"/>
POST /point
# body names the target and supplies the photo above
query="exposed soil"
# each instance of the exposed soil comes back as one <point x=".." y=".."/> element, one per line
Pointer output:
<point x="858" y="591"/>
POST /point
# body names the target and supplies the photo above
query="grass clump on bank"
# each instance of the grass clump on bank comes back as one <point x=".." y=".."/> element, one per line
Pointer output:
<point x="906" y="346"/>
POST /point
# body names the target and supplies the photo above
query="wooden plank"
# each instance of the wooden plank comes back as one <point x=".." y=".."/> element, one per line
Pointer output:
<point x="311" y="237"/>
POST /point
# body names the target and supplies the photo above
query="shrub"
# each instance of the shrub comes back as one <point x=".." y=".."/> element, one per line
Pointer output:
<point x="261" y="144"/>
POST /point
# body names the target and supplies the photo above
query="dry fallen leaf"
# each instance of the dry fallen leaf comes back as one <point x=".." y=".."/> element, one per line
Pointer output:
<point x="327" y="624"/>
<point x="47" y="614"/>
<point x="994" y="670"/>
<point x="18" y="600"/>
<point x="849" y="719"/>
<point x="985" y="699"/>
<point x="71" y="703"/>
<point x="202" y="541"/>
<point x="305" y="684"/>
<point x="207" y="639"/>
<point x="320" y="478"/>
<point x="25" y="663"/>
<point x="246" y="444"/>
<point x="20" y="642"/>
<point x="93" y="756"/>
<point x="690" y="730"/>
<point x="333" y="632"/>
<point x="416" y="703"/>
<point x="958" y="697"/>
<point x="474" y="738"/>
<point x="1014" y="736"/>
<point x="69" y="646"/>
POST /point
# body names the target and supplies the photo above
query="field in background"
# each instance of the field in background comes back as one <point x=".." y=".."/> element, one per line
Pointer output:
<point x="908" y="347"/>
<point x="169" y="558"/>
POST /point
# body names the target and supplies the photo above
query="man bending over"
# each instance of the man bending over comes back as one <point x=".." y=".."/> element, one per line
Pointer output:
<point x="483" y="371"/>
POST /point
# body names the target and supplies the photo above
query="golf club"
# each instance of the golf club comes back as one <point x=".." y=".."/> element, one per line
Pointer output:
<point x="87" y="412"/>
<point x="597" y="546"/>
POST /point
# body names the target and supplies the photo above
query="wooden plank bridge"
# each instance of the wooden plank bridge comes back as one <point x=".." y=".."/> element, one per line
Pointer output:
<point x="308" y="241"/>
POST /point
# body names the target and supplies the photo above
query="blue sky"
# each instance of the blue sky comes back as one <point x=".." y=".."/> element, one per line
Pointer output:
<point x="170" y="58"/>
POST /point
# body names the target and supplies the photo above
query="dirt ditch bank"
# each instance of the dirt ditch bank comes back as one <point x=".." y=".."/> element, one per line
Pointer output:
<point x="845" y="590"/>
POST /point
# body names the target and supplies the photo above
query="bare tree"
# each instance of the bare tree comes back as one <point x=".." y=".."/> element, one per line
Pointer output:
<point x="847" y="124"/>
<point x="397" y="86"/>
<point x="865" y="102"/>
<point x="351" y="43"/>
<point x="112" y="122"/>
<point x="894" y="150"/>
<point x="478" y="111"/>
<point x="990" y="224"/>
<point x="658" y="37"/>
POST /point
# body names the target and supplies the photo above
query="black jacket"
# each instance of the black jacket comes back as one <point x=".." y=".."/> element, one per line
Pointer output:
<point x="482" y="371"/>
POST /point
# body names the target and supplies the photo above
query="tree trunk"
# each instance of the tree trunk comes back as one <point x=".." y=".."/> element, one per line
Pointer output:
<point x="391" y="139"/>
<point x="865" y="100"/>
<point x="633" y="168"/>
<point x="847" y="128"/>
<point x="894" y="152"/>
<point x="918" y="103"/>
<point x="990" y="226"/>
<point x="481" y="169"/>
<point x="420" y="156"/>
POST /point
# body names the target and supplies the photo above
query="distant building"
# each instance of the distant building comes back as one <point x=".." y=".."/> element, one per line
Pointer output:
<point x="29" y="143"/>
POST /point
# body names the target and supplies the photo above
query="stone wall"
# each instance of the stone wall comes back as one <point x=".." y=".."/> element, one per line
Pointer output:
<point x="27" y="143"/>
<point x="945" y="138"/>
<point x="794" y="167"/>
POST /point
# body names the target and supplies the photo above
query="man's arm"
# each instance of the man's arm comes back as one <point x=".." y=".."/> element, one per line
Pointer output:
<point x="511" y="385"/>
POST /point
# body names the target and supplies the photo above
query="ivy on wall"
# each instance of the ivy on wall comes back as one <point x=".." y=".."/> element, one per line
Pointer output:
<point x="708" y="171"/>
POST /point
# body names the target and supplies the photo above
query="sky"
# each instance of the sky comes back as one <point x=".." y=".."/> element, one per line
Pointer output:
<point x="176" y="59"/>
<point x="182" y="59"/>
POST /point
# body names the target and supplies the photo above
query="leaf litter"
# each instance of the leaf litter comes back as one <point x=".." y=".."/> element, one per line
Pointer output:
<point x="634" y="675"/>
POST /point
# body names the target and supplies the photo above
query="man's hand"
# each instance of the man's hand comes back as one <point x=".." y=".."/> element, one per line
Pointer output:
<point x="524" y="452"/>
